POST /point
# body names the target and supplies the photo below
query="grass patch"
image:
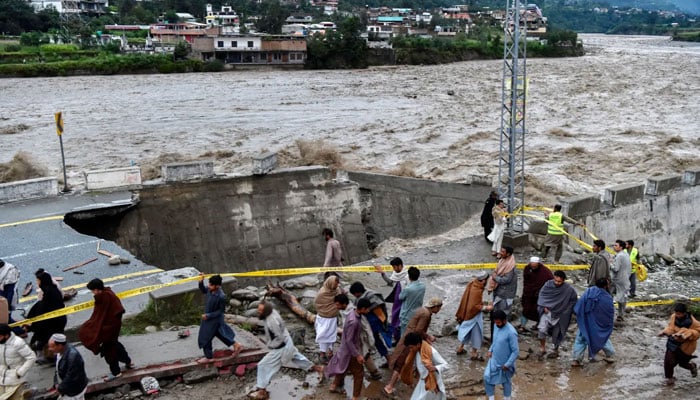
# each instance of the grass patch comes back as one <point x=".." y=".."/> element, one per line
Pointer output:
<point x="186" y="312"/>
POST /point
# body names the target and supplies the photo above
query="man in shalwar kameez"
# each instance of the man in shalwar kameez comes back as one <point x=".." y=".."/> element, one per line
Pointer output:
<point x="213" y="324"/>
<point x="427" y="366"/>
<point x="281" y="351"/>
<point x="349" y="357"/>
<point x="555" y="304"/>
<point x="502" y="355"/>
<point x="595" y="315"/>
<point x="326" y="324"/>
<point x="470" y="317"/>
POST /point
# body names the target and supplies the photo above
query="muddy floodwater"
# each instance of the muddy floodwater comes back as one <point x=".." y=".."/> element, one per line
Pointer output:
<point x="626" y="110"/>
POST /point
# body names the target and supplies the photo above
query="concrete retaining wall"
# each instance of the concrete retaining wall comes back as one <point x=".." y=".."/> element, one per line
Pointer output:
<point x="28" y="189"/>
<point x="246" y="223"/>
<point x="661" y="217"/>
<point x="187" y="171"/>
<point x="395" y="206"/>
<point x="113" y="178"/>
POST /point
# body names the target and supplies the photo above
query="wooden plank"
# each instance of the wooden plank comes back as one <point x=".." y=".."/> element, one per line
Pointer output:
<point x="79" y="265"/>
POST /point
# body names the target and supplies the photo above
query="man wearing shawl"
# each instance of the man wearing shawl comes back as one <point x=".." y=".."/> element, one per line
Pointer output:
<point x="555" y="303"/>
<point x="502" y="355"/>
<point x="600" y="266"/>
<point x="535" y="275"/>
<point x="503" y="283"/>
<point x="399" y="280"/>
<point x="621" y="269"/>
<point x="326" y="323"/>
<point x="100" y="333"/>
<point x="213" y="324"/>
<point x="418" y="324"/>
<point x="377" y="316"/>
<point x="595" y="314"/>
<point x="349" y="358"/>
<point x="411" y="297"/>
<point x="281" y="351"/>
<point x="683" y="331"/>
<point x="425" y="363"/>
<point x="470" y="317"/>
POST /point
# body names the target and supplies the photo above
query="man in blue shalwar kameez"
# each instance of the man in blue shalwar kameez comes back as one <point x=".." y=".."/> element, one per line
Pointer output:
<point x="502" y="355"/>
<point x="213" y="324"/>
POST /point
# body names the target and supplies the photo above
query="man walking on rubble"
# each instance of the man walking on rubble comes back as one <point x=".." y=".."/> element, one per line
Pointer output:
<point x="367" y="347"/>
<point x="683" y="331"/>
<point x="555" y="233"/>
<point x="349" y="358"/>
<point x="69" y="380"/>
<point x="535" y="275"/>
<point x="377" y="317"/>
<point x="100" y="333"/>
<point x="281" y="351"/>
<point x="399" y="280"/>
<point x="411" y="297"/>
<point x="620" y="269"/>
<point x="595" y="316"/>
<point x="470" y="317"/>
<point x="419" y="324"/>
<point x="555" y="304"/>
<point x="502" y="356"/>
<point x="213" y="324"/>
<point x="503" y="283"/>
<point x="600" y="266"/>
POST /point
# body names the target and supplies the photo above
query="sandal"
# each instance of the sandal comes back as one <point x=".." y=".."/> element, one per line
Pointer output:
<point x="477" y="357"/>
<point x="255" y="395"/>
<point x="461" y="351"/>
<point x="110" y="377"/>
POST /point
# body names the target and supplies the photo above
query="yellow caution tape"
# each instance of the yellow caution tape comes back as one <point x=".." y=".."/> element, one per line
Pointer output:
<point x="106" y="280"/>
<point x="656" y="302"/>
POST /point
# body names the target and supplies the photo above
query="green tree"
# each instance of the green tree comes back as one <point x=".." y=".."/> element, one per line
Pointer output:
<point x="182" y="49"/>
<point x="272" y="17"/>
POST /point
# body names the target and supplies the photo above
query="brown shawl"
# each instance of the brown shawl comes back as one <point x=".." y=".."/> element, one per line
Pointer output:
<point x="104" y="323"/>
<point x="505" y="265"/>
<point x="325" y="299"/>
<point x="409" y="369"/>
<point x="689" y="335"/>
<point x="471" y="302"/>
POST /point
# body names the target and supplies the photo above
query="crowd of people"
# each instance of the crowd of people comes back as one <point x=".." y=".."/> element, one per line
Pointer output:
<point x="397" y="336"/>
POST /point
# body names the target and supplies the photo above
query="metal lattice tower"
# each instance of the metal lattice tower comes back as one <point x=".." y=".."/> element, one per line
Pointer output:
<point x="511" y="166"/>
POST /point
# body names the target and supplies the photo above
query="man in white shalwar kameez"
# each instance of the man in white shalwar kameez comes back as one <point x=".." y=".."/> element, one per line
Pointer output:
<point x="282" y="351"/>
<point x="430" y="366"/>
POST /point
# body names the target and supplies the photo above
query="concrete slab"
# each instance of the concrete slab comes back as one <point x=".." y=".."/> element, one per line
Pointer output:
<point x="581" y="206"/>
<point x="663" y="184"/>
<point x="516" y="240"/>
<point x="28" y="189"/>
<point x="176" y="172"/>
<point x="160" y="354"/>
<point x="624" y="194"/>
<point x="113" y="178"/>
<point x="264" y="163"/>
<point x="692" y="177"/>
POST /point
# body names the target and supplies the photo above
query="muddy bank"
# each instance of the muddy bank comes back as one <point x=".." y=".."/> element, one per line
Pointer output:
<point x="637" y="373"/>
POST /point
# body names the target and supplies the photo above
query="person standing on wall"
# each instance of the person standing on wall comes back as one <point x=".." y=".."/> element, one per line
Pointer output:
<point x="100" y="333"/>
<point x="486" y="217"/>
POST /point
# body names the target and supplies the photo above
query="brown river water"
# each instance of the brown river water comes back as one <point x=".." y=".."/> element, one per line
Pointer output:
<point x="626" y="110"/>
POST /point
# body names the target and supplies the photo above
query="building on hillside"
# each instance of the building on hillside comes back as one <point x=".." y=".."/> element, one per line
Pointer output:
<point x="252" y="49"/>
<point x="299" y="19"/>
<point x="226" y="19"/>
<point x="167" y="33"/>
<point x="84" y="7"/>
<point x="295" y="29"/>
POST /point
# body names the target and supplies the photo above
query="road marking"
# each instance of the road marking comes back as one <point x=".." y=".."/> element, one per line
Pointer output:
<point x="68" y="246"/>
<point x="31" y="221"/>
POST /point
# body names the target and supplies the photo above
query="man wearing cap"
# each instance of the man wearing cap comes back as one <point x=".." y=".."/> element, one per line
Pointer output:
<point x="69" y="380"/>
<point x="419" y="323"/>
<point x="100" y="333"/>
<point x="535" y="275"/>
<point x="16" y="358"/>
<point x="470" y="317"/>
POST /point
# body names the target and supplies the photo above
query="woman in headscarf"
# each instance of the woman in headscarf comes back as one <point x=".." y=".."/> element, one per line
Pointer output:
<point x="326" y="324"/>
<point x="52" y="300"/>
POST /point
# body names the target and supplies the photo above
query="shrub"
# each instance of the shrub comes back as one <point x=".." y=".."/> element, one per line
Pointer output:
<point x="13" y="48"/>
<point x="214" y="66"/>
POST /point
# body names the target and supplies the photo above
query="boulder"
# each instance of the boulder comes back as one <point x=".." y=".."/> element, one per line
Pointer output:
<point x="245" y="295"/>
<point x="200" y="375"/>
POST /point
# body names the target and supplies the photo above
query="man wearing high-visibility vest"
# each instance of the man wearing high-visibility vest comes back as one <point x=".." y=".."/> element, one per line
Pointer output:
<point x="555" y="234"/>
<point x="633" y="253"/>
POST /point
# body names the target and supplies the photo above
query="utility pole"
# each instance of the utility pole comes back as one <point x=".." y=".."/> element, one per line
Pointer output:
<point x="511" y="165"/>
